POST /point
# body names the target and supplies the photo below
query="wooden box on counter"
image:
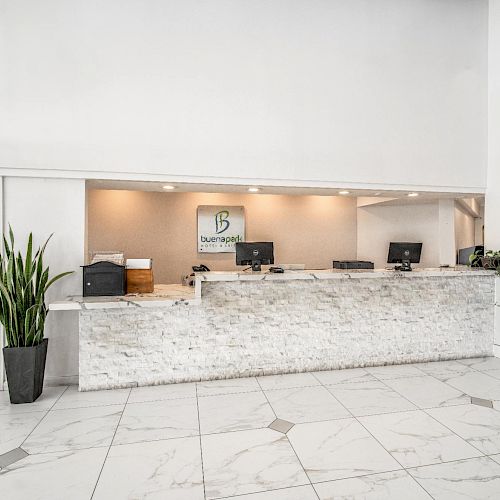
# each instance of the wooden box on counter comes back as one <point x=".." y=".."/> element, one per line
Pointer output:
<point x="140" y="281"/>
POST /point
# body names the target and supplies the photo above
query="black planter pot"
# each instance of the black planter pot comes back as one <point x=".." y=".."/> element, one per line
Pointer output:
<point x="25" y="368"/>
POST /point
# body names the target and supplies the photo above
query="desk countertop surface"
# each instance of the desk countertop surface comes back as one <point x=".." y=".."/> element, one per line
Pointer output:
<point x="329" y="274"/>
<point x="163" y="296"/>
<point x="174" y="295"/>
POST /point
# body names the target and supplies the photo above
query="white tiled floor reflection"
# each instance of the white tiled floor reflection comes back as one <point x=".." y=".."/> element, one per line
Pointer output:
<point x="381" y="433"/>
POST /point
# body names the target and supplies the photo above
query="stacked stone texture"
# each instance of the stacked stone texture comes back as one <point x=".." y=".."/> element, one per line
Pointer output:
<point x="246" y="328"/>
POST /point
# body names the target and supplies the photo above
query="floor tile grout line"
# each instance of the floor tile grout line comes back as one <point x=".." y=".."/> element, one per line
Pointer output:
<point x="375" y="474"/>
<point x="436" y="420"/>
<point x="224" y="394"/>
<point x="474" y="370"/>
<point x="340" y="403"/>
<point x="289" y="442"/>
<point x="410" y="469"/>
<point x="320" y="384"/>
<point x="405" y="469"/>
<point x="201" y="445"/>
<point x="373" y="414"/>
<point x="66" y="450"/>
<point x="43" y="418"/>
<point x="290" y="387"/>
<point x="267" y="399"/>
<point x="301" y="464"/>
<point x="383" y="381"/>
<point x="284" y="488"/>
<point x="447" y="462"/>
<point x="383" y="447"/>
<point x="363" y="475"/>
<point x="461" y="361"/>
<point x="357" y="420"/>
<point x="110" y="445"/>
<point x="453" y="432"/>
<point x="394" y="458"/>
<point x="419" y="484"/>
<point x="104" y="405"/>
<point x="346" y="417"/>
<point x="417" y="408"/>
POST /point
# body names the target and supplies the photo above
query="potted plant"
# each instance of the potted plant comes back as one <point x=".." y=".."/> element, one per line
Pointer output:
<point x="491" y="260"/>
<point x="475" y="258"/>
<point x="23" y="284"/>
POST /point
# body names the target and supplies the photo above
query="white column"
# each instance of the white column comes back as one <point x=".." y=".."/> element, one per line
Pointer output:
<point x="492" y="204"/>
<point x="45" y="206"/>
<point x="2" y="337"/>
<point x="447" y="250"/>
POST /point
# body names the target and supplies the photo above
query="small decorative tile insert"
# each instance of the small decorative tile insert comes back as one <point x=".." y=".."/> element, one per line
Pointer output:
<point x="11" y="457"/>
<point x="281" y="425"/>
<point x="482" y="402"/>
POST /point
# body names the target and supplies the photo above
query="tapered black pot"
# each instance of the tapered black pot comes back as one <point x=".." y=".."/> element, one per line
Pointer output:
<point x="25" y="368"/>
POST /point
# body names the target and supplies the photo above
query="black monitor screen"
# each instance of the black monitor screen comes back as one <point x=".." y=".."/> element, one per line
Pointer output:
<point x="248" y="253"/>
<point x="399" y="251"/>
<point x="465" y="253"/>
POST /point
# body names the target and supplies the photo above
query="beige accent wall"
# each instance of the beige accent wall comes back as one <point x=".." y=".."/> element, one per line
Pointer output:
<point x="311" y="230"/>
<point x="464" y="229"/>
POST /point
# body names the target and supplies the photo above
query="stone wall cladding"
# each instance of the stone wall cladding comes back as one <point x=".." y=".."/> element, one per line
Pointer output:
<point x="245" y="328"/>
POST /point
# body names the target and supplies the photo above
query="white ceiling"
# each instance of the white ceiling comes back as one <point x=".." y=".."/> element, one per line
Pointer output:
<point x="229" y="188"/>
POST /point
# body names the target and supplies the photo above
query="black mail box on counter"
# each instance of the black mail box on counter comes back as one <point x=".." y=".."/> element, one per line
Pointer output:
<point x="104" y="278"/>
<point x="352" y="264"/>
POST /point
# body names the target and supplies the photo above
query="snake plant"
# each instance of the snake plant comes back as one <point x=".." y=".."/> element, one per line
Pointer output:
<point x="23" y="283"/>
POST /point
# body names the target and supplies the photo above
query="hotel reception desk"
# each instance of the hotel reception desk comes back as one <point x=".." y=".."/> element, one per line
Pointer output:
<point x="242" y="324"/>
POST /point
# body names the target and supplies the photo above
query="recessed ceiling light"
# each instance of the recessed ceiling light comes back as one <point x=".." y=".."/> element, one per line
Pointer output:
<point x="412" y="195"/>
<point x="168" y="187"/>
<point x="344" y="192"/>
<point x="253" y="189"/>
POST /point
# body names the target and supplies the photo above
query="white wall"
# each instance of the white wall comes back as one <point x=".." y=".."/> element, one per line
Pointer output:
<point x="441" y="226"/>
<point x="385" y="92"/>
<point x="379" y="225"/>
<point x="46" y="206"/>
<point x="465" y="229"/>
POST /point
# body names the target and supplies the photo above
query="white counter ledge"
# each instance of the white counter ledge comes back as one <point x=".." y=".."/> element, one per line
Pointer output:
<point x="163" y="296"/>
<point x="332" y="274"/>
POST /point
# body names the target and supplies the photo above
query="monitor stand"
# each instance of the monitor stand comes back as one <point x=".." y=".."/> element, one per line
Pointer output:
<point x="256" y="265"/>
<point x="405" y="265"/>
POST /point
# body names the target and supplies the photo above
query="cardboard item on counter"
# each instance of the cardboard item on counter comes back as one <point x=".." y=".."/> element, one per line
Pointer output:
<point x="140" y="281"/>
<point x="139" y="263"/>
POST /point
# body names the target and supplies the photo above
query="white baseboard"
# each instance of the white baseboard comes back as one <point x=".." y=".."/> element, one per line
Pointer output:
<point x="61" y="380"/>
<point x="496" y="350"/>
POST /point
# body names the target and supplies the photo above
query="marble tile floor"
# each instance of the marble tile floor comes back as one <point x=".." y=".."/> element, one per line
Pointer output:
<point x="419" y="431"/>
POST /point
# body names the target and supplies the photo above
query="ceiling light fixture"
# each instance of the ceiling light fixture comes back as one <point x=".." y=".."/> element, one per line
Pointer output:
<point x="253" y="189"/>
<point x="344" y="192"/>
<point x="412" y="195"/>
<point x="168" y="187"/>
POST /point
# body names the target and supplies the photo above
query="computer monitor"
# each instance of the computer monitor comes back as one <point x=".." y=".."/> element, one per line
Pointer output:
<point x="254" y="254"/>
<point x="465" y="253"/>
<point x="404" y="253"/>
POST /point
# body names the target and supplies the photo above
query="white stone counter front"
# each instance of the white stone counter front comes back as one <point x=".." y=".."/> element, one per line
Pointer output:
<point x="254" y="324"/>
